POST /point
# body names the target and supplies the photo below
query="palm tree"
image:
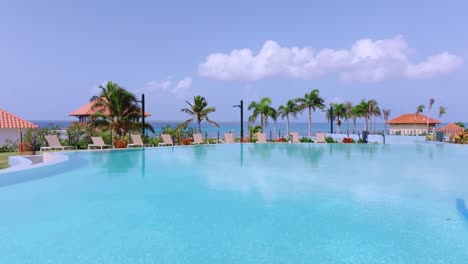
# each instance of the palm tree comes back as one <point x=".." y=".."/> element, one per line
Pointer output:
<point x="355" y="114"/>
<point x="339" y="111"/>
<point x="419" y="110"/>
<point x="348" y="114"/>
<point x="429" y="107"/>
<point x="442" y="111"/>
<point x="362" y="110"/>
<point x="373" y="111"/>
<point x="386" y="115"/>
<point x="253" y="130"/>
<point x="117" y="109"/>
<point x="311" y="101"/>
<point x="262" y="109"/>
<point x="199" y="111"/>
<point x="289" y="109"/>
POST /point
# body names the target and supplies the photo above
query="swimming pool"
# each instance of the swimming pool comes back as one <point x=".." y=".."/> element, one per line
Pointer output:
<point x="252" y="203"/>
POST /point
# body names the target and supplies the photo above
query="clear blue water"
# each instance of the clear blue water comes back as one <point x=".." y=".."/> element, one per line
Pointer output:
<point x="283" y="203"/>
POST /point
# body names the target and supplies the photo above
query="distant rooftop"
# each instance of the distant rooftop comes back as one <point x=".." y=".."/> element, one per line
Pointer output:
<point x="87" y="110"/>
<point x="412" y="119"/>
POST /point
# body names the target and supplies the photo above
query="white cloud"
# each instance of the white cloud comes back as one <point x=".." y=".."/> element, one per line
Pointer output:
<point x="178" y="88"/>
<point x="366" y="60"/>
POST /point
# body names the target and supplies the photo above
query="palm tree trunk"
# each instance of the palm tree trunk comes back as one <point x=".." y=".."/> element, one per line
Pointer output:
<point x="199" y="127"/>
<point x="367" y="125"/>
<point x="347" y="126"/>
<point x="428" y="116"/>
<point x="287" y="124"/>
<point x="310" y="121"/>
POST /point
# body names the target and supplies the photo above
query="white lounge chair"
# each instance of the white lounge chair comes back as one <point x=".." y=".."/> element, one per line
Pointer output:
<point x="320" y="138"/>
<point x="98" y="142"/>
<point x="167" y="140"/>
<point x="54" y="143"/>
<point x="228" y="138"/>
<point x="295" y="137"/>
<point x="197" y="139"/>
<point x="138" y="142"/>
<point x="261" y="138"/>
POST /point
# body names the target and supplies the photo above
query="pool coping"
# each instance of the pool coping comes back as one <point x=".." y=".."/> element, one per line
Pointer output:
<point x="20" y="163"/>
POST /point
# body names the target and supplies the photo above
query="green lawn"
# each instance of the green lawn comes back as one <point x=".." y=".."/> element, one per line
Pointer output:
<point x="4" y="159"/>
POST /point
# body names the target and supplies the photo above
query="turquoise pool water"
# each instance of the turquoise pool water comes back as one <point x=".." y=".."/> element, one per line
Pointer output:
<point x="283" y="203"/>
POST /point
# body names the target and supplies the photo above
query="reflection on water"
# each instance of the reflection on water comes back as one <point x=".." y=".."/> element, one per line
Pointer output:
<point x="366" y="171"/>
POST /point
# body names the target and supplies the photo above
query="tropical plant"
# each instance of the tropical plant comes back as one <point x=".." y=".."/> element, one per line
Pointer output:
<point x="373" y="111"/>
<point x="289" y="109"/>
<point x="253" y="130"/>
<point x="442" y="111"/>
<point x="199" y="111"/>
<point x="117" y="110"/>
<point x="263" y="109"/>
<point x="348" y="114"/>
<point x="460" y="124"/>
<point x="386" y="115"/>
<point x="355" y="114"/>
<point x="429" y="107"/>
<point x="311" y="101"/>
<point x="419" y="110"/>
<point x="339" y="112"/>
<point x="362" y="110"/>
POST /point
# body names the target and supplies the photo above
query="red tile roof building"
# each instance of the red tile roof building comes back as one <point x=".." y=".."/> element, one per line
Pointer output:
<point x="412" y="124"/>
<point x="451" y="128"/>
<point x="11" y="125"/>
<point x="87" y="110"/>
<point x="9" y="120"/>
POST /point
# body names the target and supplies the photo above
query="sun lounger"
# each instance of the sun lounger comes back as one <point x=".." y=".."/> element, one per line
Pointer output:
<point x="138" y="142"/>
<point x="295" y="137"/>
<point x="167" y="140"/>
<point x="261" y="138"/>
<point x="197" y="139"/>
<point x="54" y="143"/>
<point x="320" y="138"/>
<point x="228" y="138"/>
<point x="98" y="142"/>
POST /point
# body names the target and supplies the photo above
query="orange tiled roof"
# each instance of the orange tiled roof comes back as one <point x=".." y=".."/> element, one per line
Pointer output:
<point x="452" y="128"/>
<point x="411" y="119"/>
<point x="87" y="110"/>
<point x="9" y="120"/>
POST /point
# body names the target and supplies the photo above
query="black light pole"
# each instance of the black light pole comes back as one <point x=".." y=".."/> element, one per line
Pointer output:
<point x="241" y="106"/>
<point x="331" y="119"/>
<point x="143" y="130"/>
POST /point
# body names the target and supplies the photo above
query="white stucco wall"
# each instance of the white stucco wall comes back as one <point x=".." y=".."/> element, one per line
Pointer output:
<point x="409" y="129"/>
<point x="9" y="133"/>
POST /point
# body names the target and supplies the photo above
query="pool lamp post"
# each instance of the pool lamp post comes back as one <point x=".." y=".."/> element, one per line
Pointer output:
<point x="331" y="117"/>
<point x="143" y="130"/>
<point x="241" y="106"/>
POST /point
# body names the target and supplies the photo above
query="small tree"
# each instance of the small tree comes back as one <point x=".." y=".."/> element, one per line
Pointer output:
<point x="263" y="109"/>
<point x="429" y="107"/>
<point x="386" y="115"/>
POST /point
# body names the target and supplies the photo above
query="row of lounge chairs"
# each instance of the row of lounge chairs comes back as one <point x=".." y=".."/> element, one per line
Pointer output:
<point x="98" y="142"/>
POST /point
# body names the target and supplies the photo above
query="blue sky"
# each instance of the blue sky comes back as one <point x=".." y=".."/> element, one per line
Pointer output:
<point x="54" y="54"/>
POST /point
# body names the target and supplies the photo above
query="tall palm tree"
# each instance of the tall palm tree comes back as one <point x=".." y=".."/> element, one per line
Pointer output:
<point x="386" y="115"/>
<point x="419" y="110"/>
<point x="289" y="109"/>
<point x="348" y="114"/>
<point x="199" y="111"/>
<point x="355" y="114"/>
<point x="373" y="111"/>
<point x="311" y="101"/>
<point x="429" y="107"/>
<point x="263" y="109"/>
<point x="362" y="110"/>
<point x="442" y="111"/>
<point x="117" y="109"/>
<point x="339" y="112"/>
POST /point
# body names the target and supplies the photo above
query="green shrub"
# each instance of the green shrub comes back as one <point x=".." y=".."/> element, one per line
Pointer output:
<point x="9" y="146"/>
<point x="330" y="140"/>
<point x="306" y="140"/>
